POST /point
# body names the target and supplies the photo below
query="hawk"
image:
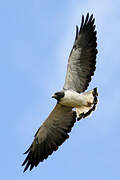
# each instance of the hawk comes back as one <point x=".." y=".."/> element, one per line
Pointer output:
<point x="72" y="102"/>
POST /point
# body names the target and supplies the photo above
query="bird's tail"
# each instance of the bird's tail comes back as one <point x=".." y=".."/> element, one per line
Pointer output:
<point x="91" y="101"/>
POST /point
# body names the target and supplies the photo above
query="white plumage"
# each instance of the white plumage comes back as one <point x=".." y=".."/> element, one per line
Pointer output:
<point x="83" y="102"/>
<point x="81" y="66"/>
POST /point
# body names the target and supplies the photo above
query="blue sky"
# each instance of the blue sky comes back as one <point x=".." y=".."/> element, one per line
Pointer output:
<point x="35" y="41"/>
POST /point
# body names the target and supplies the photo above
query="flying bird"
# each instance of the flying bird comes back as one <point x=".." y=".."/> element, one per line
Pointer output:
<point x="72" y="102"/>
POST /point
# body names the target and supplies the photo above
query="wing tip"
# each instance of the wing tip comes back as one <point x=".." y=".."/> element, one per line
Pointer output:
<point x="86" y="21"/>
<point x="77" y="30"/>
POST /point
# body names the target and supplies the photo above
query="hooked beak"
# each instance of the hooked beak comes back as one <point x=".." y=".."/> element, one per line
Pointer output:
<point x="53" y="96"/>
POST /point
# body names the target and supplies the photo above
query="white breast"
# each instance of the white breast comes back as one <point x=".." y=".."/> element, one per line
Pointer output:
<point x="72" y="99"/>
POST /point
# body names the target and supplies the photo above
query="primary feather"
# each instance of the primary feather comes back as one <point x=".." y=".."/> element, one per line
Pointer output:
<point x="50" y="135"/>
<point x="82" y="60"/>
<point x="81" y="66"/>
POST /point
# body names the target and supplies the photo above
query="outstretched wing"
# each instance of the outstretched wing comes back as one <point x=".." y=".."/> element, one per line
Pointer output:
<point x="82" y="60"/>
<point x="53" y="132"/>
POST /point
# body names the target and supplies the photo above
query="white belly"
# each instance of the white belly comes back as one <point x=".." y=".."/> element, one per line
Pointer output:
<point x="73" y="99"/>
<point x="84" y="103"/>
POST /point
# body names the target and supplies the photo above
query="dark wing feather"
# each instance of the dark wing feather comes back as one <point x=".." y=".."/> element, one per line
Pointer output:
<point x="82" y="60"/>
<point x="53" y="132"/>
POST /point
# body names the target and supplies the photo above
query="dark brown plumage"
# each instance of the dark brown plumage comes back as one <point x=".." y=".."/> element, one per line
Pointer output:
<point x="50" y="135"/>
<point x="81" y="66"/>
<point x="82" y="60"/>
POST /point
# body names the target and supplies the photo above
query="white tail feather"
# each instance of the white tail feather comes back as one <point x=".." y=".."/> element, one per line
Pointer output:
<point x="91" y="101"/>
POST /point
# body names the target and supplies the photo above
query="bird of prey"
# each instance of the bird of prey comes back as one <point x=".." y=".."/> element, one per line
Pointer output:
<point x="72" y="102"/>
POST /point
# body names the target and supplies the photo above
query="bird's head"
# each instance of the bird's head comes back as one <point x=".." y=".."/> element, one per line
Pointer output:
<point x="58" y="95"/>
